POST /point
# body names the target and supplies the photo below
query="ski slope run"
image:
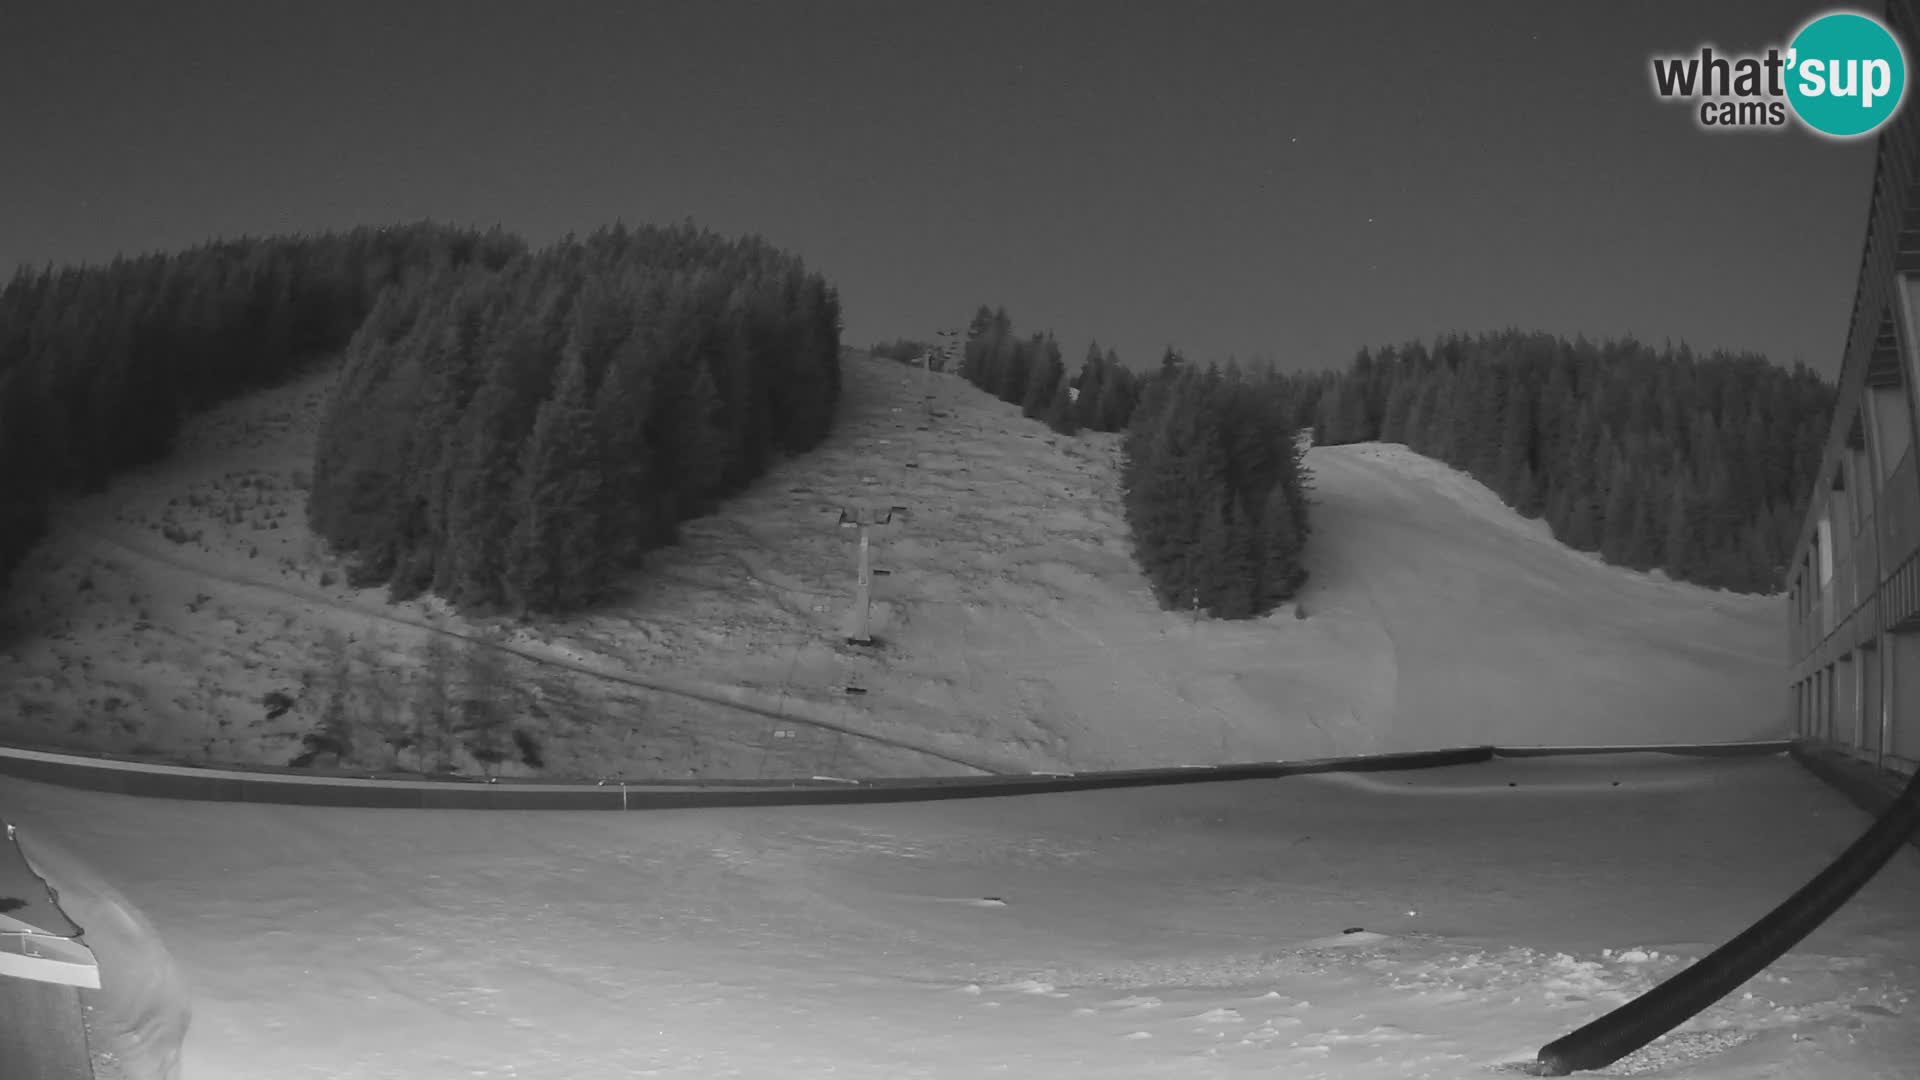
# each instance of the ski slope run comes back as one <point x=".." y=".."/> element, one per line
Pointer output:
<point x="1017" y="632"/>
<point x="1423" y="924"/>
<point x="1475" y="626"/>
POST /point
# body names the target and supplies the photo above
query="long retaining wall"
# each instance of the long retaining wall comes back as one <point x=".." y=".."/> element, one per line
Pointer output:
<point x="125" y="777"/>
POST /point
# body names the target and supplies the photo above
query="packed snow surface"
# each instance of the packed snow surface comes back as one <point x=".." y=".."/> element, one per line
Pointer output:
<point x="1430" y="924"/>
<point x="1422" y="924"/>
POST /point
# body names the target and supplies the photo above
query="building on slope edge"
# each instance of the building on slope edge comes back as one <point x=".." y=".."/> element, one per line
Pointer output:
<point x="1853" y="583"/>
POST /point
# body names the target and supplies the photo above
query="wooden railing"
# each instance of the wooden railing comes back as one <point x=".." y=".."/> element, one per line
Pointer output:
<point x="1866" y="562"/>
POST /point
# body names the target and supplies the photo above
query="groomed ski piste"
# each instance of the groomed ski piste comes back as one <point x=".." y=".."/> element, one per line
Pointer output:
<point x="1432" y="923"/>
<point x="1440" y="922"/>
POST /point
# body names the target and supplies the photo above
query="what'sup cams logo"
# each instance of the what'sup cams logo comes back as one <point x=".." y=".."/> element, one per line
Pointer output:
<point x="1842" y="75"/>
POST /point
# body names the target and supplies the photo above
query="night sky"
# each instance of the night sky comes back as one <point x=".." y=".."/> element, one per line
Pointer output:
<point x="1259" y="179"/>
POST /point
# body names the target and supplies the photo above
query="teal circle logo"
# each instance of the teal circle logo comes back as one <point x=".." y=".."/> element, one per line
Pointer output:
<point x="1846" y="75"/>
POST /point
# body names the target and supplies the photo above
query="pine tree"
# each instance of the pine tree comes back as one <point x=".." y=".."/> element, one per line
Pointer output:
<point x="1117" y="398"/>
<point x="1237" y="569"/>
<point x="552" y="563"/>
<point x="700" y="446"/>
<point x="1172" y="365"/>
<point x="1681" y="545"/>
<point x="1161" y="499"/>
<point x="1514" y="464"/>
<point x="23" y="491"/>
<point x="1355" y="425"/>
<point x="634" y="520"/>
<point x="1646" y="536"/>
<point x="1486" y="422"/>
<point x="1330" y="422"/>
<point x="1090" y="386"/>
<point x="1618" y="522"/>
<point x="1014" y="362"/>
<point x="1582" y="529"/>
<point x="1046" y="374"/>
<point x="486" y="457"/>
<point x="1394" y="422"/>
<point x="1282" y="549"/>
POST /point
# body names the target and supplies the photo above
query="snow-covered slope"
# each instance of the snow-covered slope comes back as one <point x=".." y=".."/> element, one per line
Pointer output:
<point x="1197" y="931"/>
<point x="1015" y="631"/>
<point x="1484" y="629"/>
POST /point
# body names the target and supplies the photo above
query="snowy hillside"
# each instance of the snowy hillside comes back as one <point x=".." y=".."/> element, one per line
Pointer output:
<point x="185" y="612"/>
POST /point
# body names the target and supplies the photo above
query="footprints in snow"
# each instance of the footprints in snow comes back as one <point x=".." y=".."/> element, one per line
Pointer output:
<point x="1373" y="980"/>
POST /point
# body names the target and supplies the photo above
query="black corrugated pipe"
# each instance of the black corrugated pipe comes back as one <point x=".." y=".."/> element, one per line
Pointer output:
<point x="1712" y="977"/>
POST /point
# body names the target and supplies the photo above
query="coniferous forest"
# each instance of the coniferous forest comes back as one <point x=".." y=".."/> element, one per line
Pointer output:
<point x="1699" y="466"/>
<point x="1031" y="373"/>
<point x="1215" y="492"/>
<point x="510" y="426"/>
<point x="99" y="364"/>
<point x="507" y="438"/>
<point x="902" y="350"/>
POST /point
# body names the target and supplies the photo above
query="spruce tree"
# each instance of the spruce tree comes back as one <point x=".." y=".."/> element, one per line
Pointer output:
<point x="552" y="562"/>
<point x="635" y="518"/>
<point x="1394" y="426"/>
<point x="1045" y="375"/>
<point x="486" y="455"/>
<point x="1646" y="536"/>
<point x="1618" y="521"/>
<point x="1678" y="553"/>
<point x="1282" y="547"/>
<point x="700" y="445"/>
<point x="1091" y="386"/>
<point x="1117" y="397"/>
<point x="1330" y="420"/>
<point x="23" y="490"/>
<point x="1237" y="570"/>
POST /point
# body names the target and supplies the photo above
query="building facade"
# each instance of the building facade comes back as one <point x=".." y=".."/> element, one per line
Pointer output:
<point x="1853" y="585"/>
